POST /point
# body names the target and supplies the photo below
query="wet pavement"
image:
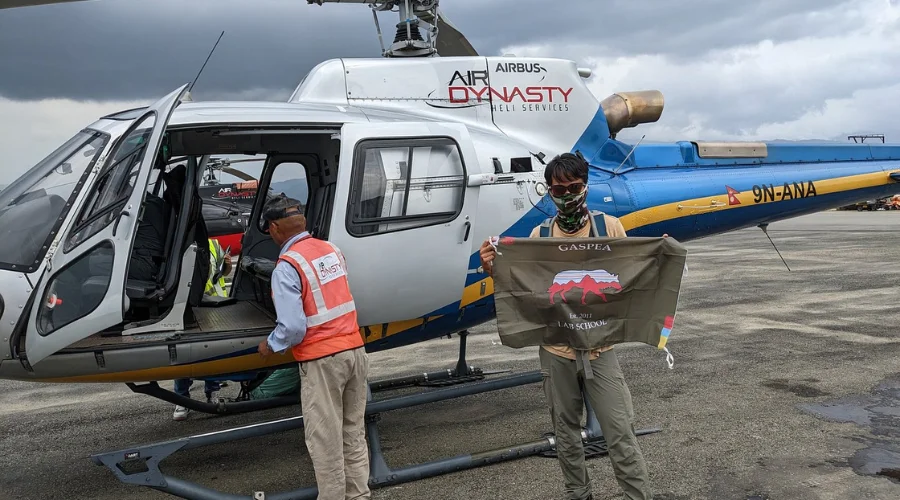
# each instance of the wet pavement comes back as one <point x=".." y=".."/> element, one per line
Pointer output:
<point x="784" y="388"/>
<point x="879" y="414"/>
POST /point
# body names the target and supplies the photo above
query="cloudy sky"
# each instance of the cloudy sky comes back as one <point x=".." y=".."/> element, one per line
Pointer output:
<point x="752" y="70"/>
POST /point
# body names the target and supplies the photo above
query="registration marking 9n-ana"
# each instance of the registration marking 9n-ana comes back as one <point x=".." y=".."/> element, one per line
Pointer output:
<point x="788" y="191"/>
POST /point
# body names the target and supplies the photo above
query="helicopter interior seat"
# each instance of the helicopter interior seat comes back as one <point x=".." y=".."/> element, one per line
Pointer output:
<point x="152" y="247"/>
<point x="183" y="226"/>
<point x="145" y="258"/>
<point x="190" y="230"/>
<point x="195" y="232"/>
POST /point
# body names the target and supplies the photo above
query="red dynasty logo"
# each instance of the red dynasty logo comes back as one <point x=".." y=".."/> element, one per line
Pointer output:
<point x="474" y="85"/>
<point x="229" y="193"/>
<point x="508" y="95"/>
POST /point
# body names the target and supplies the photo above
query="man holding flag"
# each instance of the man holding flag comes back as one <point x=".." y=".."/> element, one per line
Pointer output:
<point x="564" y="370"/>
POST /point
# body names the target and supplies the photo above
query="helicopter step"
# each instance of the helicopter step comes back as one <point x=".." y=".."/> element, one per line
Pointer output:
<point x="139" y="465"/>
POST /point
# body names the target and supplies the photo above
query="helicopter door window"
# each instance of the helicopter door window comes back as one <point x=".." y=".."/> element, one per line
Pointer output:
<point x="405" y="184"/>
<point x="76" y="290"/>
<point x="113" y="186"/>
<point x="289" y="178"/>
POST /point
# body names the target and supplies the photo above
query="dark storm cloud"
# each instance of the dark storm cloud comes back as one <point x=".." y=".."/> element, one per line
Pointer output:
<point x="132" y="49"/>
<point x="683" y="28"/>
<point x="135" y="49"/>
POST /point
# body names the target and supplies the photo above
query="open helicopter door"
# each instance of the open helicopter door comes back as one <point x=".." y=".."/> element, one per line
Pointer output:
<point x="82" y="291"/>
<point x="403" y="216"/>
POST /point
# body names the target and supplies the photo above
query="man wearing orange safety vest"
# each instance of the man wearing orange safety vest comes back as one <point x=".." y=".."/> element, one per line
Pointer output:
<point x="317" y="321"/>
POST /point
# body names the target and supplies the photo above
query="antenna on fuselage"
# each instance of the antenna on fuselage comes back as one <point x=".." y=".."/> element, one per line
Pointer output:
<point x="765" y="226"/>
<point x="616" y="171"/>
<point x="187" y="96"/>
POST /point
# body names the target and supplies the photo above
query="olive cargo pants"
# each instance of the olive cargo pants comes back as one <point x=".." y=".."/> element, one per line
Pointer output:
<point x="333" y="397"/>
<point x="610" y="398"/>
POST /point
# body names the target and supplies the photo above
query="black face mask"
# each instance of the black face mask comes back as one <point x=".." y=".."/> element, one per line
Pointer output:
<point x="573" y="212"/>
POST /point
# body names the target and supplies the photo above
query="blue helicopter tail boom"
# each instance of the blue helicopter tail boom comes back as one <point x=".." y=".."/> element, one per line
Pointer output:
<point x="695" y="189"/>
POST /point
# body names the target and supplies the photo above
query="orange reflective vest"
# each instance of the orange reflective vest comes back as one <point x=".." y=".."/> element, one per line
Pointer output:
<point x="330" y="312"/>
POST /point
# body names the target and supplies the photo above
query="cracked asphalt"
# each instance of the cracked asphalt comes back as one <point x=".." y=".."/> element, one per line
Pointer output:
<point x="784" y="387"/>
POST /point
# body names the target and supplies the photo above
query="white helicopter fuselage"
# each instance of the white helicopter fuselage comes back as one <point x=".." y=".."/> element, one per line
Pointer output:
<point x="539" y="102"/>
<point x="483" y="124"/>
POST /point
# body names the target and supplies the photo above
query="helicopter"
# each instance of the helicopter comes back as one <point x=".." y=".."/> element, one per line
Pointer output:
<point x="408" y="162"/>
<point x="431" y="147"/>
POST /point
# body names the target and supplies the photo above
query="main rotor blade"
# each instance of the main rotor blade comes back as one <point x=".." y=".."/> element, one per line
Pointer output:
<point x="450" y="40"/>
<point x="246" y="160"/>
<point x="237" y="173"/>
<point x="11" y="4"/>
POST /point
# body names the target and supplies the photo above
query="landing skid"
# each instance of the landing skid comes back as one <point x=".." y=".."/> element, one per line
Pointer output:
<point x="462" y="373"/>
<point x="219" y="408"/>
<point x="140" y="465"/>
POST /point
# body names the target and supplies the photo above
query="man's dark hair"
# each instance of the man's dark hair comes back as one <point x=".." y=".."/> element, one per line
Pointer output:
<point x="566" y="166"/>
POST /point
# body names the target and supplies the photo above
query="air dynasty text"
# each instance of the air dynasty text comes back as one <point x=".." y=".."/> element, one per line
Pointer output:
<point x="473" y="86"/>
<point x="789" y="191"/>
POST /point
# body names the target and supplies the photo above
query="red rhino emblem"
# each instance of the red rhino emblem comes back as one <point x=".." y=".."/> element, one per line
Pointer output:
<point x="588" y="281"/>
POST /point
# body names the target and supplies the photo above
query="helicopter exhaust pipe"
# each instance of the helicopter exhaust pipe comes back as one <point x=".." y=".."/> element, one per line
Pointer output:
<point x="628" y="109"/>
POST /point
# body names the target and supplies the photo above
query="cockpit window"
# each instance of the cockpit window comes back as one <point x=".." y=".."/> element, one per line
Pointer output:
<point x="33" y="207"/>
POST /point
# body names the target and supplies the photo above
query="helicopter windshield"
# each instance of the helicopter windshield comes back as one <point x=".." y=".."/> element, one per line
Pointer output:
<point x="33" y="207"/>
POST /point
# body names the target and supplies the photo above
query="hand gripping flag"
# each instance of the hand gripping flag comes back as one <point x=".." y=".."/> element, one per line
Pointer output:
<point x="587" y="293"/>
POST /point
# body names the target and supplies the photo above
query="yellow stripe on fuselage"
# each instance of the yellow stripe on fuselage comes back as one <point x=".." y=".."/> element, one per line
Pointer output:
<point x="684" y="208"/>
<point x="253" y="361"/>
<point x="236" y="364"/>
<point x="473" y="293"/>
<point x="377" y="332"/>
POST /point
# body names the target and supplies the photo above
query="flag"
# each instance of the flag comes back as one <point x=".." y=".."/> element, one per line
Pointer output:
<point x="587" y="292"/>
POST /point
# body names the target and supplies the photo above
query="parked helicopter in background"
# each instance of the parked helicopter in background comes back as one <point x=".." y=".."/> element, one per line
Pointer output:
<point x="227" y="205"/>
<point x="405" y="152"/>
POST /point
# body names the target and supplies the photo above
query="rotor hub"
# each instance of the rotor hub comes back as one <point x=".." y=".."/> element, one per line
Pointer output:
<point x="416" y="16"/>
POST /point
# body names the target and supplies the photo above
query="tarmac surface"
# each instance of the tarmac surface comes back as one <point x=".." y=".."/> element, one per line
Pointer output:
<point x="786" y="385"/>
